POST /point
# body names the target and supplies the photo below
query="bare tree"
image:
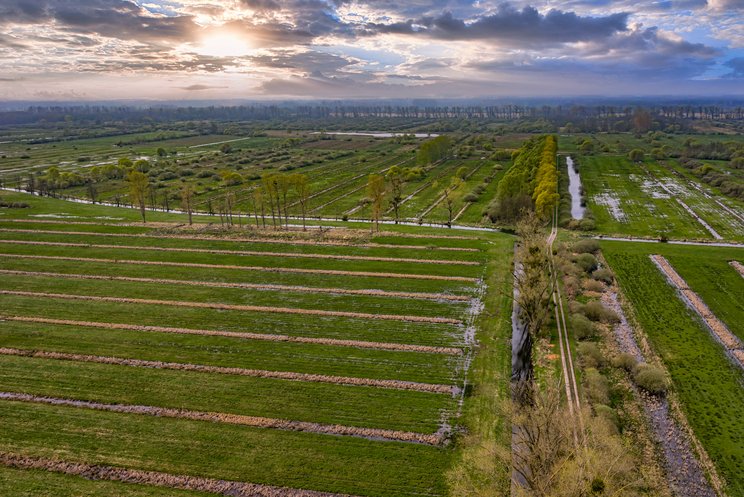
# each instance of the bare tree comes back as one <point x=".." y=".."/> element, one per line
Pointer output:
<point x="138" y="188"/>
<point x="187" y="197"/>
<point x="449" y="197"/>
<point x="300" y="183"/>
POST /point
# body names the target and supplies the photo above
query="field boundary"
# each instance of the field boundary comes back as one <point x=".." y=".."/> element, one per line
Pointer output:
<point x="738" y="266"/>
<point x="252" y="286"/>
<point x="255" y="373"/>
<point x="234" y="419"/>
<point x="332" y="272"/>
<point x="241" y="334"/>
<point x="155" y="478"/>
<point x="256" y="253"/>
<point x="717" y="327"/>
<point x="238" y="307"/>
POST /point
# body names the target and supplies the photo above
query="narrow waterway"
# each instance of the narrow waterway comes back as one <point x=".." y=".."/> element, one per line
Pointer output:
<point x="574" y="188"/>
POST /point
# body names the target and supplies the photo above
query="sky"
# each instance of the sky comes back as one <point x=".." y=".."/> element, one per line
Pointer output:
<point x="331" y="49"/>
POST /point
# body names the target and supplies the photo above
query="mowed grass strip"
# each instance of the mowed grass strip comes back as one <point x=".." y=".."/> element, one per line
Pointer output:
<point x="283" y="375"/>
<point x="250" y="286"/>
<point x="235" y="307"/>
<point x="160" y="479"/>
<point x="260" y="253"/>
<point x="400" y="347"/>
<point x="226" y="452"/>
<point x="143" y="231"/>
<point x="333" y="272"/>
<point x="372" y="330"/>
<point x="235" y="419"/>
<point x="325" y="403"/>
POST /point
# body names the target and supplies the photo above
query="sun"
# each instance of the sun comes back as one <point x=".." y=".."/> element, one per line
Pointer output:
<point x="223" y="44"/>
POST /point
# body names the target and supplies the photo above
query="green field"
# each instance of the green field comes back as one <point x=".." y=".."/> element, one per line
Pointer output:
<point x="706" y="381"/>
<point x="286" y="357"/>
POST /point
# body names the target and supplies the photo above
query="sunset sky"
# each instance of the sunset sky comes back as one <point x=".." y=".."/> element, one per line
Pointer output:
<point x="269" y="49"/>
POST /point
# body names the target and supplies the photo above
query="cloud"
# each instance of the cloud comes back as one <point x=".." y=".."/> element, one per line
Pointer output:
<point x="737" y="67"/>
<point x="198" y="87"/>
<point x="523" y="27"/>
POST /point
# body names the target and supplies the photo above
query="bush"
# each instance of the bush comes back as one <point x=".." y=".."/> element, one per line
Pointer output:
<point x="186" y="172"/>
<point x="204" y="174"/>
<point x="604" y="275"/>
<point x="587" y="246"/>
<point x="587" y="262"/>
<point x="582" y="327"/>
<point x="470" y="197"/>
<point x="594" y="286"/>
<point x="596" y="386"/>
<point x="590" y="355"/>
<point x="595" y="311"/>
<point x="625" y="361"/>
<point x="650" y="378"/>
<point x="587" y="224"/>
<point x="609" y="415"/>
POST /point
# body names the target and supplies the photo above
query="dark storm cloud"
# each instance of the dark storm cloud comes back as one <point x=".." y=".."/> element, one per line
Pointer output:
<point x="111" y="18"/>
<point x="526" y="26"/>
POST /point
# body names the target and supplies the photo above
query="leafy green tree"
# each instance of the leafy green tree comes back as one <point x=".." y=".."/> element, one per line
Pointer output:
<point x="376" y="194"/>
<point x="139" y="186"/>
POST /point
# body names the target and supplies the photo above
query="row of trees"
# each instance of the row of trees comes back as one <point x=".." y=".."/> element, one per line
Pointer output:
<point x="433" y="150"/>
<point x="531" y="184"/>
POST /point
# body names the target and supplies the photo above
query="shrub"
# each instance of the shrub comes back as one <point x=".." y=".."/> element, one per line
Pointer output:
<point x="587" y="262"/>
<point x="587" y="224"/>
<point x="204" y="174"/>
<point x="587" y="246"/>
<point x="625" y="361"/>
<point x="594" y="286"/>
<point x="590" y="355"/>
<point x="650" y="378"/>
<point x="607" y="414"/>
<point x="470" y="197"/>
<point x="596" y="386"/>
<point x="582" y="327"/>
<point x="604" y="275"/>
<point x="595" y="311"/>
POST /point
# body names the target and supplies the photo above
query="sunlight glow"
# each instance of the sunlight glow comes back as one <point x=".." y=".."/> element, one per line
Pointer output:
<point x="223" y="44"/>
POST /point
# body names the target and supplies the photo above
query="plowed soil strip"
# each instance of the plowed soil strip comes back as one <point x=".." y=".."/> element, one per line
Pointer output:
<point x="156" y="478"/>
<point x="738" y="266"/>
<point x="256" y="373"/>
<point x="244" y="252"/>
<point x="238" y="307"/>
<point x="332" y="272"/>
<point x="225" y="239"/>
<point x="235" y="419"/>
<point x="399" y="347"/>
<point x="719" y="329"/>
<point x="251" y="286"/>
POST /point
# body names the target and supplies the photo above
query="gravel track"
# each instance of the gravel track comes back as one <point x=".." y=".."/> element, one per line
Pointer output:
<point x="256" y="373"/>
<point x="252" y="286"/>
<point x="235" y="419"/>
<point x="156" y="478"/>
<point x="236" y="334"/>
<point x="243" y="252"/>
<point x="332" y="272"/>
<point x="236" y="307"/>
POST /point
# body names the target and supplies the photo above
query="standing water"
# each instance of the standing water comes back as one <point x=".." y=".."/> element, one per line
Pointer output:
<point x="574" y="188"/>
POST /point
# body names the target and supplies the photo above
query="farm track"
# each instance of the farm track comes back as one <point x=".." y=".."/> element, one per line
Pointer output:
<point x="228" y="239"/>
<point x="236" y="334"/>
<point x="237" y="307"/>
<point x="719" y="330"/>
<point x="234" y="419"/>
<point x="257" y="253"/>
<point x="247" y="286"/>
<point x="156" y="478"/>
<point x="738" y="266"/>
<point x="333" y="272"/>
<point x="255" y="373"/>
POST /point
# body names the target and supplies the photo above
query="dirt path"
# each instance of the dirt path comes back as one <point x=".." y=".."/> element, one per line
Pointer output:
<point x="399" y="347"/>
<point x="718" y="329"/>
<point x="255" y="373"/>
<point x="332" y="272"/>
<point x="258" y="253"/>
<point x="235" y="419"/>
<point x="738" y="266"/>
<point x="251" y="286"/>
<point x="155" y="478"/>
<point x="236" y="307"/>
